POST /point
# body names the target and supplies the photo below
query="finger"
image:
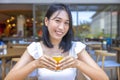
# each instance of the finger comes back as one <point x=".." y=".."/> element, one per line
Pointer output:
<point x="48" y="66"/>
<point x="69" y="60"/>
<point x="69" y="65"/>
<point x="47" y="61"/>
<point x="50" y="59"/>
<point x="65" y="59"/>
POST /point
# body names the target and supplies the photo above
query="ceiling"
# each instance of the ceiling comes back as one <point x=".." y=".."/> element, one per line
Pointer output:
<point x="8" y="10"/>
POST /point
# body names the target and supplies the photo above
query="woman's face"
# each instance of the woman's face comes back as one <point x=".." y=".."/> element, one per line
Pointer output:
<point x="58" y="25"/>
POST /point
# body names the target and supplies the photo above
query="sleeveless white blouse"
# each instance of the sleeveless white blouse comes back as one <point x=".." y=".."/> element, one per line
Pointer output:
<point x="35" y="50"/>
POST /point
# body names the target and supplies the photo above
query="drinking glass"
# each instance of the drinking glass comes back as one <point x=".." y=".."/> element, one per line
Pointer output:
<point x="57" y="58"/>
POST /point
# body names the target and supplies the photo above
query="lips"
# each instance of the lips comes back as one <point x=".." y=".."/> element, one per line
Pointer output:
<point x="59" y="32"/>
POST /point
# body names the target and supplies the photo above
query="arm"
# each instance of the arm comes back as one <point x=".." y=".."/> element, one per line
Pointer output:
<point x="27" y="64"/>
<point x="84" y="64"/>
<point x="23" y="67"/>
<point x="89" y="67"/>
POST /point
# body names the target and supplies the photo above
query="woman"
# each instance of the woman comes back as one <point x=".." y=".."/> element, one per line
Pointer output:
<point x="56" y="40"/>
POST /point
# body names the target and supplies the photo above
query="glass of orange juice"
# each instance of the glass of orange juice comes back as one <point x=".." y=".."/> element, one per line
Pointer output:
<point x="57" y="58"/>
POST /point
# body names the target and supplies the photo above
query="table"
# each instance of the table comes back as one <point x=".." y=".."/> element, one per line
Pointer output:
<point x="118" y="55"/>
<point x="11" y="53"/>
<point x="93" y="45"/>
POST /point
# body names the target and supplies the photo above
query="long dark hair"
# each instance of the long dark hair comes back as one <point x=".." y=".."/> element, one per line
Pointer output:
<point x="65" y="44"/>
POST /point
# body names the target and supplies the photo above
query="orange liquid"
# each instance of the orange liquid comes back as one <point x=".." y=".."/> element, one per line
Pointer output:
<point x="57" y="58"/>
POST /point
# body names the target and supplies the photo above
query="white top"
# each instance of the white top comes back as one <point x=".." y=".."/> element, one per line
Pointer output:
<point x="35" y="50"/>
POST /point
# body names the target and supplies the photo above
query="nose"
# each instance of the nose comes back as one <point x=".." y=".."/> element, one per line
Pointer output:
<point x="61" y="26"/>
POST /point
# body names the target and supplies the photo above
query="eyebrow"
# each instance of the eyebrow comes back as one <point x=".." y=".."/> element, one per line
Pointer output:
<point x="58" y="18"/>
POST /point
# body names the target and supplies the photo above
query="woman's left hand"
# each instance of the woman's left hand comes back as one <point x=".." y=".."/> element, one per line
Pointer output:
<point x="68" y="62"/>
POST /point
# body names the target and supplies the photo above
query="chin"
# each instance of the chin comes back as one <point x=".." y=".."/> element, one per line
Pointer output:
<point x="58" y="38"/>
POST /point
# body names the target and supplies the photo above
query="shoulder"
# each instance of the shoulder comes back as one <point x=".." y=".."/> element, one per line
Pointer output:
<point x="34" y="49"/>
<point x="78" y="46"/>
<point x="34" y="44"/>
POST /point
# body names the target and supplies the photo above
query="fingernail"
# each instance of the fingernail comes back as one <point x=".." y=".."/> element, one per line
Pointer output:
<point x="56" y="65"/>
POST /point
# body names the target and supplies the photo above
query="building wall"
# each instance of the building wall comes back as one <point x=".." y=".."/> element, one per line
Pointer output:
<point x="102" y="22"/>
<point x="97" y="24"/>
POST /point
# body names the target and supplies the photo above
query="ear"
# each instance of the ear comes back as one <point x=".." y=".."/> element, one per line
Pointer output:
<point x="46" y="21"/>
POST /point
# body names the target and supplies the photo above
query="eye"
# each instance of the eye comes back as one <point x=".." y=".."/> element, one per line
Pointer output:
<point x="66" y="23"/>
<point x="57" y="20"/>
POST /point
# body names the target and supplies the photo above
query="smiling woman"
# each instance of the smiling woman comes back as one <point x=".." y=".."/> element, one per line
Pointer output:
<point x="56" y="40"/>
<point x="59" y="25"/>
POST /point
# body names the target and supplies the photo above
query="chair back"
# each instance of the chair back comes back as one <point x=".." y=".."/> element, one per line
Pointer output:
<point x="103" y="54"/>
<point x="95" y="46"/>
<point x="10" y="45"/>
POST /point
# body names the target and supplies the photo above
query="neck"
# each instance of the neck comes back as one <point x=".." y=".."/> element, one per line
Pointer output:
<point x="56" y="43"/>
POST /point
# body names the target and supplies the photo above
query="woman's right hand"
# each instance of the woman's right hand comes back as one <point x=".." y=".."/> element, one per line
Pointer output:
<point x="46" y="62"/>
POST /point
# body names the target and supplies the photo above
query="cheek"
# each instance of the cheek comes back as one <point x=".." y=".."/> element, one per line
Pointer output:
<point x="51" y="28"/>
<point x="67" y="28"/>
<point x="51" y="25"/>
<point x="66" y="31"/>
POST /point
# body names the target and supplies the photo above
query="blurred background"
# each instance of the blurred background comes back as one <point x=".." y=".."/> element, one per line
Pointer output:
<point x="95" y="23"/>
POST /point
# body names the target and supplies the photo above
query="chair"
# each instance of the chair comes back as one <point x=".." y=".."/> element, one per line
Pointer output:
<point x="21" y="48"/>
<point x="95" y="46"/>
<point x="91" y="49"/>
<point x="31" y="76"/>
<point x="107" y="64"/>
<point x="14" y="51"/>
<point x="3" y="51"/>
<point x="17" y="46"/>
